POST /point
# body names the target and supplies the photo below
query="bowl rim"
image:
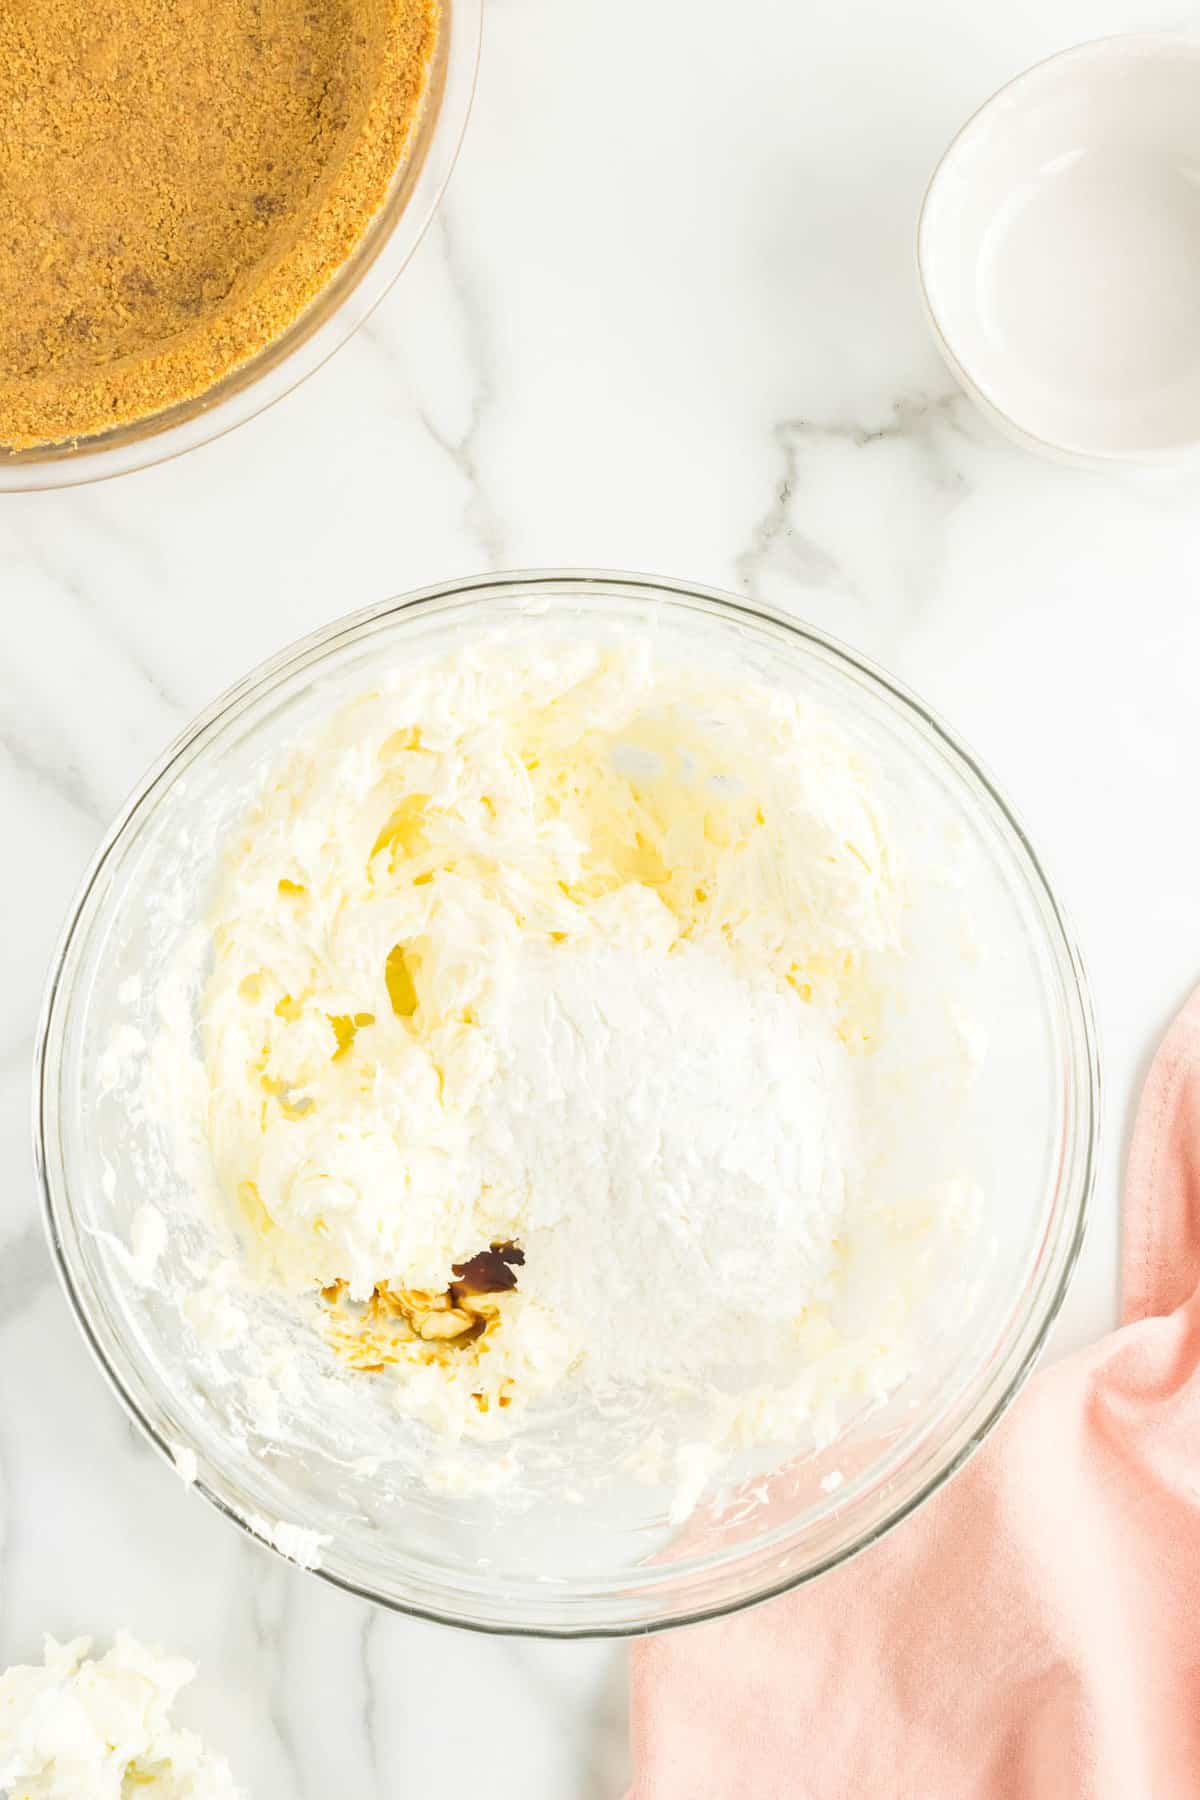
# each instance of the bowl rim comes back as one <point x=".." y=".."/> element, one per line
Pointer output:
<point x="325" y="325"/>
<point x="647" y="588"/>
<point x="1114" y="44"/>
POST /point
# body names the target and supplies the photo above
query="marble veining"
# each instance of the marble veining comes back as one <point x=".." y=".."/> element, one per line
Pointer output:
<point x="666" y="320"/>
<point x="906" y="446"/>
<point x="461" y="442"/>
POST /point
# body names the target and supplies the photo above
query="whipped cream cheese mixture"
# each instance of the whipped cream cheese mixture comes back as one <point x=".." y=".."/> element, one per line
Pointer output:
<point x="546" y="985"/>
<point x="78" y="1729"/>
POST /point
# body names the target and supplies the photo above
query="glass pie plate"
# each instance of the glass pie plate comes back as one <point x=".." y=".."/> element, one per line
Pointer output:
<point x="344" y="304"/>
<point x="607" y="1559"/>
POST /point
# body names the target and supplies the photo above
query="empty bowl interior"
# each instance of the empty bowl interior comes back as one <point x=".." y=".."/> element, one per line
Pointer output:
<point x="1060" y="249"/>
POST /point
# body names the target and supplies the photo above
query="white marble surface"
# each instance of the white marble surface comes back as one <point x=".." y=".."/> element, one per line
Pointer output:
<point x="666" y="321"/>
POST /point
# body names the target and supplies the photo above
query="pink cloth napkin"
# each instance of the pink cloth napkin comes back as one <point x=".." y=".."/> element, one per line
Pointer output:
<point x="1034" y="1631"/>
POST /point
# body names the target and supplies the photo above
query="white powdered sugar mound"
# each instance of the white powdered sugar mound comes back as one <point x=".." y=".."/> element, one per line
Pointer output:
<point x="676" y="1138"/>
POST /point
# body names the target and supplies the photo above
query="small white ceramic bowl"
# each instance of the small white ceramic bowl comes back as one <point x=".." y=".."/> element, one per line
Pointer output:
<point x="1059" y="252"/>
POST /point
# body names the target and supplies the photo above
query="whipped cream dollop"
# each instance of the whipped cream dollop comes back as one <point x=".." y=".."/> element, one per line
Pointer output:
<point x="82" y="1729"/>
<point x="559" y="947"/>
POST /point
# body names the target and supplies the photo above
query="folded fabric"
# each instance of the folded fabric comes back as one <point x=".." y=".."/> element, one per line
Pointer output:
<point x="1033" y="1631"/>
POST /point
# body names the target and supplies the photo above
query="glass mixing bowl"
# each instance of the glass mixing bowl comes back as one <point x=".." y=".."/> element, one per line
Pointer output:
<point x="610" y="1562"/>
<point x="337" y="312"/>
